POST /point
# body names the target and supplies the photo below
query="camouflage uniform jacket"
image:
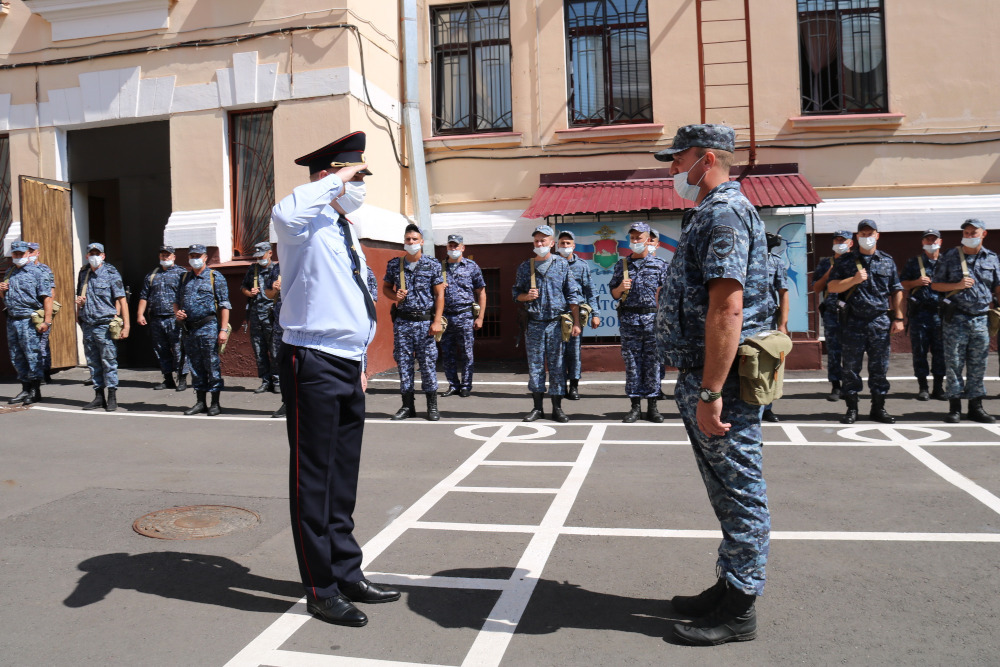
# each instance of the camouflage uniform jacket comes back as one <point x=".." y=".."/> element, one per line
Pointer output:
<point x="196" y="298"/>
<point x="159" y="288"/>
<point x="464" y="278"/>
<point x="871" y="297"/>
<point x="29" y="286"/>
<point x="104" y="288"/>
<point x="421" y="277"/>
<point x="557" y="288"/>
<point x="984" y="269"/>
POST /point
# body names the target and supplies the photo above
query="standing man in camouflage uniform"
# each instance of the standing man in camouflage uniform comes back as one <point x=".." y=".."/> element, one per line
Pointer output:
<point x="272" y="288"/>
<point x="202" y="307"/>
<point x="45" y="354"/>
<point x="463" y="287"/>
<point x="414" y="284"/>
<point x="637" y="298"/>
<point x="548" y="289"/>
<point x="654" y="247"/>
<point x="867" y="282"/>
<point x="924" y="319"/>
<point x="842" y="242"/>
<point x="714" y="298"/>
<point x="260" y="315"/>
<point x="777" y="289"/>
<point x="26" y="288"/>
<point x="101" y="297"/>
<point x="581" y="271"/>
<point x="969" y="276"/>
<point x="159" y="289"/>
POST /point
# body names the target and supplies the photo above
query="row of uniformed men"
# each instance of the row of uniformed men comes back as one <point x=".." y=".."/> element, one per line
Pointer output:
<point x="950" y="295"/>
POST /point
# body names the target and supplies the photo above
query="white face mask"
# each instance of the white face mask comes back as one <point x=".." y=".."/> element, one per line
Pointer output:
<point x="166" y="263"/>
<point x="33" y="259"/>
<point x="686" y="190"/>
<point x="840" y="248"/>
<point x="867" y="242"/>
<point x="454" y="254"/>
<point x="412" y="248"/>
<point x="934" y="247"/>
<point x="565" y="252"/>
<point x="20" y="261"/>
<point x="197" y="263"/>
<point x="971" y="242"/>
<point x="95" y="260"/>
<point x="652" y="251"/>
<point x="638" y="248"/>
<point x="353" y="197"/>
<point x="542" y="251"/>
<point x="263" y="261"/>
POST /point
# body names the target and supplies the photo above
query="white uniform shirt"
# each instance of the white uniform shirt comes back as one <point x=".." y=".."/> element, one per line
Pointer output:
<point x="322" y="307"/>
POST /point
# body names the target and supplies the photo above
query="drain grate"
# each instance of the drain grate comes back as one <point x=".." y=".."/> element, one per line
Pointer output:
<point x="195" y="522"/>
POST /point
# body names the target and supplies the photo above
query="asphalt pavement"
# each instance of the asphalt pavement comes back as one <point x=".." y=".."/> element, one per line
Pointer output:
<point x="514" y="544"/>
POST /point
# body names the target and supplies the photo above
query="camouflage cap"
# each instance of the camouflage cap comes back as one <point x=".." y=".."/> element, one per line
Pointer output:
<point x="639" y="227"/>
<point x="721" y="137"/>
<point x="652" y="234"/>
<point x="33" y="246"/>
<point x="869" y="223"/>
<point x="99" y="247"/>
<point x="19" y="246"/>
<point x="169" y="249"/>
<point x="261" y="249"/>
<point x="568" y="234"/>
<point x="844" y="233"/>
<point x="931" y="232"/>
<point x="456" y="238"/>
<point x="543" y="229"/>
<point x="197" y="248"/>
<point x="975" y="222"/>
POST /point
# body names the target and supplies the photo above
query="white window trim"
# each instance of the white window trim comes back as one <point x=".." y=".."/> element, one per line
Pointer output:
<point x="76" y="19"/>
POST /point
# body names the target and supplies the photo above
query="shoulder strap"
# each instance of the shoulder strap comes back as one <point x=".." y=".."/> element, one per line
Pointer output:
<point x="152" y="276"/>
<point x="920" y="261"/>
<point x="847" y="295"/>
<point x="256" y="277"/>
<point x="532" y="271"/>
<point x="402" y="273"/>
<point x="625" y="268"/>
<point x="86" y="282"/>
<point x="965" y="274"/>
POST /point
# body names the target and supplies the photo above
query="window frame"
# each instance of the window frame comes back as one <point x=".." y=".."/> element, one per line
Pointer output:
<point x="467" y="48"/>
<point x="6" y="192"/>
<point x="237" y="225"/>
<point x="492" y="320"/>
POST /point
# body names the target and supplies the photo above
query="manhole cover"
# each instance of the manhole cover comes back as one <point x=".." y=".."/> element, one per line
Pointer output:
<point x="195" y="522"/>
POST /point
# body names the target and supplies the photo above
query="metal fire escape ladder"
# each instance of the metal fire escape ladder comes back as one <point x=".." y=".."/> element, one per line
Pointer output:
<point x="722" y="62"/>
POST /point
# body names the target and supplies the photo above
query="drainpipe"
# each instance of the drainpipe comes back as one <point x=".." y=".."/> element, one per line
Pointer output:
<point x="411" y="121"/>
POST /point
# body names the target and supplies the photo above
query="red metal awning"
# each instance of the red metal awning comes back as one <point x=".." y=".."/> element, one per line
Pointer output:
<point x="657" y="194"/>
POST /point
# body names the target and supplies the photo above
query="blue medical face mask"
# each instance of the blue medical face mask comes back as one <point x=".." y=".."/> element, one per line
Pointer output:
<point x="687" y="190"/>
<point x="197" y="263"/>
<point x="971" y="242"/>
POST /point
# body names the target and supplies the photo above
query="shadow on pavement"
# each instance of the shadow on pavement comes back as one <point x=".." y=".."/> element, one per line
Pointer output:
<point x="182" y="576"/>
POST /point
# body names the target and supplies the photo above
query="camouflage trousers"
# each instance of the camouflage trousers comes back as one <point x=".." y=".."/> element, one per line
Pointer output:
<point x="166" y="334"/>
<point x="732" y="469"/>
<point x="857" y="338"/>
<point x="456" y="350"/>
<point x="544" y="344"/>
<point x="44" y="353"/>
<point x="206" y="367"/>
<point x="966" y="347"/>
<point x="642" y="360"/>
<point x="412" y="344"/>
<point x="572" y="363"/>
<point x="262" y="342"/>
<point x="834" y="360"/>
<point x="925" y="337"/>
<point x="102" y="355"/>
<point x="24" y="342"/>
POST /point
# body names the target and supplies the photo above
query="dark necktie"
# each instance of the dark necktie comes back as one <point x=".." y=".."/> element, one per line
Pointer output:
<point x="356" y="261"/>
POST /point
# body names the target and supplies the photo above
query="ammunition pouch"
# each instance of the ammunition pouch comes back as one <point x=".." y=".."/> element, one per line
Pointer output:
<point x="115" y="327"/>
<point x="761" y="367"/>
<point x="993" y="319"/>
<point x="566" y="326"/>
<point x="221" y="347"/>
<point x="444" y="327"/>
<point x="38" y="316"/>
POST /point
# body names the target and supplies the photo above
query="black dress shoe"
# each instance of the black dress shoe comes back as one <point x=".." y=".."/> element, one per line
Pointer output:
<point x="337" y="610"/>
<point x="265" y="385"/>
<point x="451" y="392"/>
<point x="465" y="393"/>
<point x="366" y="591"/>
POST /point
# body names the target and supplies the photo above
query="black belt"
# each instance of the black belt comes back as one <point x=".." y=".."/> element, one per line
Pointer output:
<point x="25" y="317"/>
<point x="637" y="311"/>
<point x="540" y="319"/>
<point x="459" y="311"/>
<point x="415" y="315"/>
<point x="190" y="325"/>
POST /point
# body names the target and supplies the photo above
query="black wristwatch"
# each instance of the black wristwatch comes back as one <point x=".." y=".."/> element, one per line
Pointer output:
<point x="708" y="396"/>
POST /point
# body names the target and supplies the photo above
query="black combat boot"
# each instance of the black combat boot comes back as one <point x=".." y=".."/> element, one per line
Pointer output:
<point x="21" y="395"/>
<point x="634" y="412"/>
<point x="954" y="415"/>
<point x="98" y="401"/>
<point x="265" y="385"/>
<point x="408" y="410"/>
<point x="280" y="412"/>
<point x="851" y="415"/>
<point x="878" y="412"/>
<point x="574" y="390"/>
<point x="557" y="412"/>
<point x="168" y="383"/>
<point x="182" y="382"/>
<point x="199" y="406"/>
<point x="835" y="394"/>
<point x="275" y="385"/>
<point x="432" y="407"/>
<point x="938" y="393"/>
<point x="537" y="412"/>
<point x="976" y="411"/>
<point x="452" y="391"/>
<point x="112" y="402"/>
<point x="696" y="606"/>
<point x="36" y="393"/>
<point x="89" y="382"/>
<point x="215" y="408"/>
<point x="733" y="620"/>
<point x="923" y="394"/>
<point x="652" y="412"/>
<point x="768" y="416"/>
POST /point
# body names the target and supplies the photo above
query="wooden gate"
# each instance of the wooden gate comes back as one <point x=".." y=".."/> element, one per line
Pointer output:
<point x="46" y="219"/>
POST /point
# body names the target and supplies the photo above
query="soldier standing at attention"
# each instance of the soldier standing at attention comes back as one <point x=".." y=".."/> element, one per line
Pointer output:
<point x="777" y="287"/>
<point x="714" y="298"/>
<point x="924" y="318"/>
<point x="272" y="288"/>
<point x="25" y="288"/>
<point x="202" y="307"/>
<point x="260" y="315"/>
<point x="546" y="286"/>
<point x="414" y="284"/>
<point x="159" y="289"/>
<point x="842" y="242"/>
<point x="969" y="276"/>
<point x="571" y="361"/>
<point x="101" y="297"/>
<point x="636" y="283"/>
<point x="463" y="287"/>
<point x="654" y="246"/>
<point x="45" y="354"/>
<point x="866" y="280"/>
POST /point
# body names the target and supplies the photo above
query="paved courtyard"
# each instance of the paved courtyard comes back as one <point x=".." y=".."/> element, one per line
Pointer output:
<point x="514" y="544"/>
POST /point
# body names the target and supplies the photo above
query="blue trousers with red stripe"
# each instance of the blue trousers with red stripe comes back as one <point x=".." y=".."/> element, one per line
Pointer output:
<point x="326" y="420"/>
